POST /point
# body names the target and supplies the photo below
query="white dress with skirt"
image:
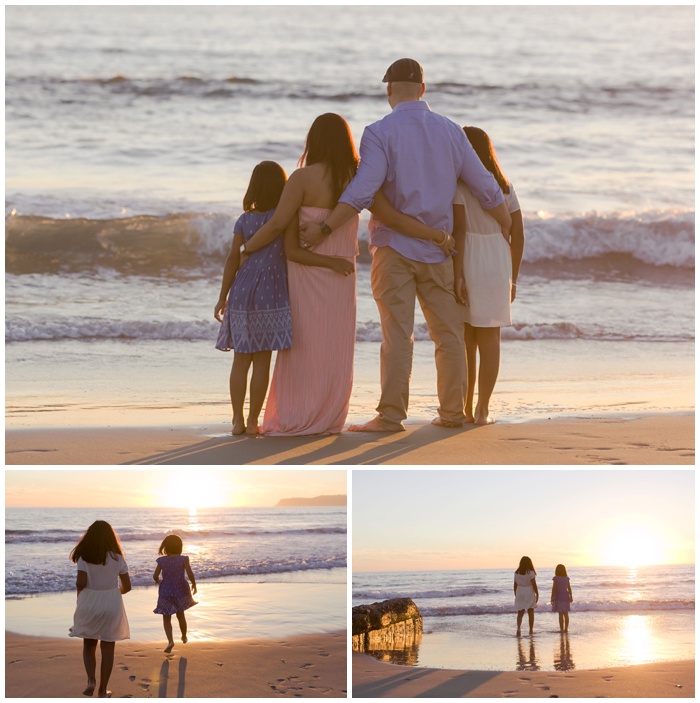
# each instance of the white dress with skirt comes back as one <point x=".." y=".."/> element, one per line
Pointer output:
<point x="525" y="595"/>
<point x="100" y="614"/>
<point x="488" y="267"/>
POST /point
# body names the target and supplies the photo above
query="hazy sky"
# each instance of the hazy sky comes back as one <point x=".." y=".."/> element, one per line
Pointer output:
<point x="459" y="519"/>
<point x="190" y="488"/>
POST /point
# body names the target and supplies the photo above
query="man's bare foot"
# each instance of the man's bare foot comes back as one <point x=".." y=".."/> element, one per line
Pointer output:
<point x="90" y="688"/>
<point x="238" y="427"/>
<point x="169" y="648"/>
<point x="444" y="423"/>
<point x="252" y="428"/>
<point x="374" y="426"/>
<point x="184" y="639"/>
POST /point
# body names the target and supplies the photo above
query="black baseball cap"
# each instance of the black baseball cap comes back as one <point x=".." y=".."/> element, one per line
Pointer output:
<point x="408" y="70"/>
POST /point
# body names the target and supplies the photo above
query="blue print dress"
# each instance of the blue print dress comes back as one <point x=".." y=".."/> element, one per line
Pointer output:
<point x="257" y="316"/>
<point x="173" y="591"/>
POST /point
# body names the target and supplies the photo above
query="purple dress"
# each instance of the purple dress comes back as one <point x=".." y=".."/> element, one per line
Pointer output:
<point x="257" y="316"/>
<point x="562" y="603"/>
<point x="173" y="591"/>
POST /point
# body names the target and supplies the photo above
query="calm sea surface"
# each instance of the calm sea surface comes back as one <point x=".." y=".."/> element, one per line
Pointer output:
<point x="619" y="616"/>
<point x="131" y="134"/>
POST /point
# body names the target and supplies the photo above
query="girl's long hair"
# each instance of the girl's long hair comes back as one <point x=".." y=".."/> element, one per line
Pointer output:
<point x="330" y="142"/>
<point x="98" y="541"/>
<point x="172" y="544"/>
<point x="265" y="187"/>
<point x="560" y="570"/>
<point x="483" y="146"/>
<point x="525" y="566"/>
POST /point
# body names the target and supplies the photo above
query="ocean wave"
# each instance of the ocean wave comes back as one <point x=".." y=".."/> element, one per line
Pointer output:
<point x="580" y="607"/>
<point x="72" y="536"/>
<point x="463" y="592"/>
<point x="34" y="582"/>
<point x="199" y="242"/>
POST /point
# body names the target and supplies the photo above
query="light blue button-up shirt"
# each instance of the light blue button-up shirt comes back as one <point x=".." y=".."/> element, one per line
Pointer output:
<point x="416" y="156"/>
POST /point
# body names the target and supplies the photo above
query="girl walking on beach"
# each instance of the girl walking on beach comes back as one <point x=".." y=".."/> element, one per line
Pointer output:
<point x="174" y="595"/>
<point x="253" y="304"/>
<point x="526" y="593"/>
<point x="486" y="272"/>
<point x="103" y="577"/>
<point x="562" y="598"/>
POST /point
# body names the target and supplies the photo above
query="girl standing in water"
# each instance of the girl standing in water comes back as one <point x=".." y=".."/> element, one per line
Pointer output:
<point x="526" y="593"/>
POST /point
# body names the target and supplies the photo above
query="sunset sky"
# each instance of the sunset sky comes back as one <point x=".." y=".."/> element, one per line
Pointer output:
<point x="462" y="519"/>
<point x="188" y="488"/>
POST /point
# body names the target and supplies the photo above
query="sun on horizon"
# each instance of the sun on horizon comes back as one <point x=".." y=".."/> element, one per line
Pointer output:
<point x="197" y="489"/>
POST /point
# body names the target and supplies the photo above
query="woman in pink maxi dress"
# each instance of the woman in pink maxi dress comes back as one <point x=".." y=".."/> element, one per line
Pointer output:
<point x="312" y="381"/>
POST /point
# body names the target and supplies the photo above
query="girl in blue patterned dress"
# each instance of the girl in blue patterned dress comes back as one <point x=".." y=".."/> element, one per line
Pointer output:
<point x="174" y="595"/>
<point x="256" y="319"/>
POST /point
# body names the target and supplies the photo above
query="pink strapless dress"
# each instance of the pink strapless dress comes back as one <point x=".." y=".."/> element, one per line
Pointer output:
<point x="312" y="381"/>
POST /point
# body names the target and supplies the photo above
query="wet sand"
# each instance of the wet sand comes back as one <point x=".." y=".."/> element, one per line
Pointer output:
<point x="375" y="679"/>
<point x="657" y="439"/>
<point x="310" y="666"/>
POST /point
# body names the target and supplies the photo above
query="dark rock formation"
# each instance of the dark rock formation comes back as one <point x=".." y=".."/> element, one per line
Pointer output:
<point x="391" y="625"/>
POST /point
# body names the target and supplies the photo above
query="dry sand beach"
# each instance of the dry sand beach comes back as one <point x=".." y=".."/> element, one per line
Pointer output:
<point x="311" y="666"/>
<point x="646" y="439"/>
<point x="374" y="679"/>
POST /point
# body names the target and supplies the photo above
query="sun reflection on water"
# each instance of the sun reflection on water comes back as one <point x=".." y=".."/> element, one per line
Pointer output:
<point x="637" y="642"/>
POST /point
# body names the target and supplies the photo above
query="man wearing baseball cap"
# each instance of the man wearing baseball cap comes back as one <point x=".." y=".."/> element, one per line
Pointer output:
<point x="415" y="156"/>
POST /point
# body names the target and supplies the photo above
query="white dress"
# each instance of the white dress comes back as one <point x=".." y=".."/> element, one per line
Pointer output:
<point x="100" y="613"/>
<point x="525" y="595"/>
<point x="487" y="262"/>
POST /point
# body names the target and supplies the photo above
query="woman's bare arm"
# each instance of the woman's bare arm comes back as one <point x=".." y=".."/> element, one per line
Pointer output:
<point x="459" y="214"/>
<point x="534" y="588"/>
<point x="410" y="226"/>
<point x="517" y="246"/>
<point x="81" y="581"/>
<point x="125" y="585"/>
<point x="285" y="212"/>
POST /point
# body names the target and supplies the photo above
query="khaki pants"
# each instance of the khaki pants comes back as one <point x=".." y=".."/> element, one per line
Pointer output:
<point x="396" y="281"/>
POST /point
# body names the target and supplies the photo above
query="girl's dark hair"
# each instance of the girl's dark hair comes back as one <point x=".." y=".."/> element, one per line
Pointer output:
<point x="525" y="566"/>
<point x="330" y="142"/>
<point x="560" y="570"/>
<point x="98" y="541"/>
<point x="483" y="146"/>
<point x="172" y="544"/>
<point x="265" y="187"/>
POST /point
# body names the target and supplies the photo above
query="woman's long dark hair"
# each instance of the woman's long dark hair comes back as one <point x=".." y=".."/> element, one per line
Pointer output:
<point x="483" y="146"/>
<point x="330" y="142"/>
<point x="525" y="566"/>
<point x="98" y="541"/>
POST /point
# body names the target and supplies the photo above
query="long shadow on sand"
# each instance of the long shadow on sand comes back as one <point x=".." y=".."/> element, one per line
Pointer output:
<point x="345" y="448"/>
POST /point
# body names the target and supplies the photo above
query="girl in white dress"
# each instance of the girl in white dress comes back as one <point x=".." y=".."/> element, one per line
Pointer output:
<point x="526" y="593"/>
<point x="103" y="577"/>
<point x="486" y="271"/>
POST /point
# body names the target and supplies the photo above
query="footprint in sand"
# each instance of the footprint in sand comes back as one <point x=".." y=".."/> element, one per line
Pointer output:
<point x="607" y="678"/>
<point x="132" y="678"/>
<point x="219" y="663"/>
<point x="307" y="666"/>
<point x="15" y="661"/>
<point x="524" y="678"/>
<point x="122" y="667"/>
<point x="542" y="687"/>
<point x="145" y="684"/>
<point x="324" y="654"/>
<point x="56" y="656"/>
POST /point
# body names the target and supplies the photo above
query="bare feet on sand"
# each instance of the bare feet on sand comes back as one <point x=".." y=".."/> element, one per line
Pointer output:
<point x="444" y="423"/>
<point x="482" y="417"/>
<point x="374" y="426"/>
<point x="90" y="688"/>
<point x="184" y="639"/>
<point x="238" y="427"/>
<point x="169" y="648"/>
<point x="104" y="694"/>
<point x="252" y="428"/>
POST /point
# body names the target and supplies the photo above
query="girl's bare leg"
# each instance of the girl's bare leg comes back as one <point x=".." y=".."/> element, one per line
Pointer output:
<point x="238" y="385"/>
<point x="106" y="666"/>
<point x="259" y="382"/>
<point x="566" y="622"/>
<point x="561" y="622"/>
<point x="531" y="618"/>
<point x="168" y="627"/>
<point x="90" y="662"/>
<point x="183" y="625"/>
<point x="489" y="342"/>
<point x="520" y="620"/>
<point x="470" y="344"/>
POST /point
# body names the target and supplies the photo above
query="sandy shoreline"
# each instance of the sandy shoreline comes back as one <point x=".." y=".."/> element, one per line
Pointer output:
<point x="647" y="439"/>
<point x="375" y="679"/>
<point x="311" y="666"/>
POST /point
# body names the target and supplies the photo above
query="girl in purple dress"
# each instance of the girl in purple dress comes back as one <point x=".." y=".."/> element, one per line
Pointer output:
<point x="253" y="305"/>
<point x="562" y="597"/>
<point x="173" y="591"/>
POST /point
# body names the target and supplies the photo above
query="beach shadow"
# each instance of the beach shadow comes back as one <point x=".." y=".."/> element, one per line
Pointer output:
<point x="181" y="671"/>
<point x="164" y="675"/>
<point x="346" y="448"/>
<point x="163" y="679"/>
